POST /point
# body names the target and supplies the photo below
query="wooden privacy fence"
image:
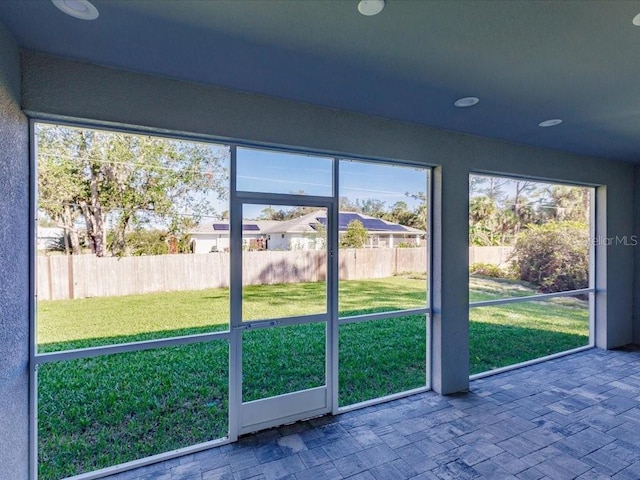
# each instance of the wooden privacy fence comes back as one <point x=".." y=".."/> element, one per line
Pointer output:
<point x="80" y="276"/>
<point x="500" y="256"/>
<point x="62" y="277"/>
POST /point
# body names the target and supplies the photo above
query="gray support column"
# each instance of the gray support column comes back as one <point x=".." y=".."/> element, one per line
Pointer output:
<point x="14" y="268"/>
<point x="615" y="252"/>
<point x="450" y="331"/>
<point x="601" y="325"/>
<point x="636" y="259"/>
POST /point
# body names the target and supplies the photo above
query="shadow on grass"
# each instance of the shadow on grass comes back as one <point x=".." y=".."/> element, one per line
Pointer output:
<point x="106" y="410"/>
<point x="71" y="324"/>
<point x="102" y="411"/>
<point x="381" y="357"/>
<point x="493" y="346"/>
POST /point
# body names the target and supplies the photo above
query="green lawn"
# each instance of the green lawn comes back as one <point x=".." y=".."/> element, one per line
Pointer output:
<point x="102" y="411"/>
<point x="508" y="334"/>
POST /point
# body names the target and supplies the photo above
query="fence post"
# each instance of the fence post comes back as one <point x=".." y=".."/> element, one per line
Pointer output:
<point x="49" y="278"/>
<point x="395" y="261"/>
<point x="70" y="276"/>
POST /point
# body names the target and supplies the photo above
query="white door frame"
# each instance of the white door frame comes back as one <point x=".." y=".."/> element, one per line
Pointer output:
<point x="247" y="417"/>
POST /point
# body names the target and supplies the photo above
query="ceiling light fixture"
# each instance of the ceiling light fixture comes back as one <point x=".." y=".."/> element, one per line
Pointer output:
<point x="368" y="8"/>
<point x="466" y="102"/>
<point x="550" y="123"/>
<point x="82" y="9"/>
<point x="636" y="20"/>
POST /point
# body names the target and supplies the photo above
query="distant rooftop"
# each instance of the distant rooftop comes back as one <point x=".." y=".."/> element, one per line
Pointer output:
<point x="310" y="223"/>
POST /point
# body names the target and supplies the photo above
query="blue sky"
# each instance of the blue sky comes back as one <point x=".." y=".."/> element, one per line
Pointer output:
<point x="277" y="172"/>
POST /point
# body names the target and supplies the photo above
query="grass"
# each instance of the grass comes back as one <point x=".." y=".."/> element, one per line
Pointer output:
<point x="508" y="334"/>
<point x="87" y="322"/>
<point x="102" y="411"/>
<point x="98" y="412"/>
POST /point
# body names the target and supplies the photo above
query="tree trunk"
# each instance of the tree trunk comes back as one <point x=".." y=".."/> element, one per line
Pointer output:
<point x="119" y="235"/>
<point x="92" y="211"/>
<point x="67" y="223"/>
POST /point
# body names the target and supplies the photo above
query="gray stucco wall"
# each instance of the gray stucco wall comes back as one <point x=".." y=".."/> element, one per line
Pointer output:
<point x="636" y="279"/>
<point x="56" y="88"/>
<point x="14" y="268"/>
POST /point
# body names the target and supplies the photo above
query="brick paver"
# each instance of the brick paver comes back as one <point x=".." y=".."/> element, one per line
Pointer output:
<point x="573" y="417"/>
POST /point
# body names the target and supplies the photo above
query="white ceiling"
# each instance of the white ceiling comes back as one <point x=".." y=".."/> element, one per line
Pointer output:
<point x="527" y="61"/>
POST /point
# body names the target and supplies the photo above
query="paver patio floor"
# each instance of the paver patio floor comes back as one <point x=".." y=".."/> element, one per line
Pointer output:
<point x="573" y="417"/>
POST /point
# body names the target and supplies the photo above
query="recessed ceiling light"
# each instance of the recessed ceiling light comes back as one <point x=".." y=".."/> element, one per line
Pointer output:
<point x="369" y="8"/>
<point x="550" y="123"/>
<point x="636" y="20"/>
<point x="82" y="9"/>
<point x="466" y="102"/>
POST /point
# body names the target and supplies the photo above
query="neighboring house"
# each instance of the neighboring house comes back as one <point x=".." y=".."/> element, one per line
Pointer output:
<point x="49" y="238"/>
<point x="214" y="237"/>
<point x="302" y="233"/>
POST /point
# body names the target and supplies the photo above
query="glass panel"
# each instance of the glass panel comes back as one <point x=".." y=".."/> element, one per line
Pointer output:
<point x="484" y="287"/>
<point x="508" y="334"/>
<point x="382" y="357"/>
<point x="382" y="231"/>
<point x="269" y="171"/>
<point x="284" y="261"/>
<point x="98" y="412"/>
<point x="283" y="360"/>
<point x="527" y="237"/>
<point x="126" y="245"/>
<point x="400" y="292"/>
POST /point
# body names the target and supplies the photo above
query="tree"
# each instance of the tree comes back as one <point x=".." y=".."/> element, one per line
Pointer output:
<point x="147" y="242"/>
<point x="346" y="205"/>
<point x="58" y="187"/>
<point x="355" y="236"/>
<point x="554" y="256"/>
<point x="483" y="222"/>
<point x="283" y="214"/>
<point x="401" y="214"/>
<point x="372" y="207"/>
<point x="419" y="212"/>
<point x="520" y="203"/>
<point x="566" y="203"/>
<point x="124" y="180"/>
<point x="490" y="187"/>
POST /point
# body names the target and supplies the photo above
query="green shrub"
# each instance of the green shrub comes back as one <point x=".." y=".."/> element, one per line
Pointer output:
<point x="487" y="270"/>
<point x="355" y="236"/>
<point x="554" y="256"/>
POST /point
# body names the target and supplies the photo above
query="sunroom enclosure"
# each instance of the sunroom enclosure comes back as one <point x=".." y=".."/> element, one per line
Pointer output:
<point x="532" y="295"/>
<point x="45" y="87"/>
<point x="314" y="299"/>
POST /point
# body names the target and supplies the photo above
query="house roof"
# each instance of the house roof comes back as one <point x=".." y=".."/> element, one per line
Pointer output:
<point x="222" y="227"/>
<point x="527" y="61"/>
<point x="309" y="223"/>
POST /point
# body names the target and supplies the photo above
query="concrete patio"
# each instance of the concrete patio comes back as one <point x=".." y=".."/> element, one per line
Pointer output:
<point x="573" y="417"/>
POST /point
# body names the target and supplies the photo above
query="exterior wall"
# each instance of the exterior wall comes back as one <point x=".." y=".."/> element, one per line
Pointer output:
<point x="14" y="274"/>
<point x="636" y="277"/>
<point x="47" y="237"/>
<point x="55" y="88"/>
<point x="303" y="242"/>
<point x="204" y="242"/>
<point x="276" y="241"/>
